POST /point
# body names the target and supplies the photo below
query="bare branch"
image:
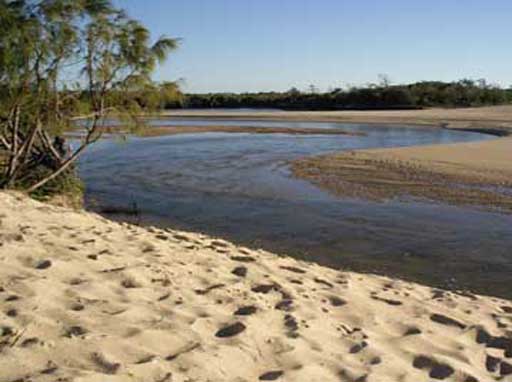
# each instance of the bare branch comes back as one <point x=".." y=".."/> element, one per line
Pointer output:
<point x="63" y="167"/>
<point x="93" y="136"/>
<point x="4" y="141"/>
<point x="45" y="139"/>
<point x="23" y="154"/>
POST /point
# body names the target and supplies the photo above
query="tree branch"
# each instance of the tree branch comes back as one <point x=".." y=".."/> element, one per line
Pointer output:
<point x="92" y="136"/>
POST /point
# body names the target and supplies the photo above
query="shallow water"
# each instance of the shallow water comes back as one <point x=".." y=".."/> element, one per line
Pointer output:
<point x="238" y="186"/>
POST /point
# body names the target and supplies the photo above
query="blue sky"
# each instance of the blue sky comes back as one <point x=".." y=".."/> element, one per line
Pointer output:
<point x="253" y="45"/>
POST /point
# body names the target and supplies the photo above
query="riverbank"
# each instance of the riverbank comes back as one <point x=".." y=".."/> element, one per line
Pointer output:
<point x="494" y="119"/>
<point x="157" y="131"/>
<point x="477" y="173"/>
<point x="87" y="299"/>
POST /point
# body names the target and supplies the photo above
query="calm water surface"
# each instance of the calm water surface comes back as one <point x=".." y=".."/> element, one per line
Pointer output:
<point x="238" y="186"/>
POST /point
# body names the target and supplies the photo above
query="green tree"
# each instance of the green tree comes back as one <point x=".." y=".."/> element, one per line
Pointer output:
<point x="59" y="58"/>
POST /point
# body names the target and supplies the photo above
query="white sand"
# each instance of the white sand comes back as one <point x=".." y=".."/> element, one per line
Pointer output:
<point x="86" y="299"/>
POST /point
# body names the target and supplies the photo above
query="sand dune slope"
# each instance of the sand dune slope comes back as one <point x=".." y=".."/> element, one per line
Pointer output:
<point x="86" y="299"/>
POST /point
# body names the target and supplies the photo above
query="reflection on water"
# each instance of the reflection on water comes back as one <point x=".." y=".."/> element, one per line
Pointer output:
<point x="238" y="186"/>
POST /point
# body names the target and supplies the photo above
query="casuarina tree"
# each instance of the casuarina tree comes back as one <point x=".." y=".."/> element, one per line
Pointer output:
<point x="60" y="59"/>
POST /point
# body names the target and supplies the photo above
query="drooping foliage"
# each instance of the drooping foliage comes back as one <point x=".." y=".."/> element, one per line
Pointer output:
<point x="60" y="59"/>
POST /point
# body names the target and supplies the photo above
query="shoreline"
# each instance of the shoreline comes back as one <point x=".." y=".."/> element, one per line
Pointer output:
<point x="414" y="170"/>
<point x="408" y="266"/>
<point x="92" y="299"/>
<point x="412" y="272"/>
<point x="156" y="131"/>
<point x="475" y="174"/>
<point x="493" y="119"/>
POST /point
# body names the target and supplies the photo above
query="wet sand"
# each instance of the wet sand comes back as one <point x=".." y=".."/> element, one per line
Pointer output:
<point x="477" y="173"/>
<point x="487" y="118"/>
<point x="86" y="299"/>
<point x="155" y="131"/>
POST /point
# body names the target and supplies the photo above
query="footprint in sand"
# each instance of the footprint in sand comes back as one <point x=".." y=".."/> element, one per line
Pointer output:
<point x="50" y="368"/>
<point x="357" y="348"/>
<point x="146" y="359"/>
<point x="75" y="331"/>
<point x="349" y="376"/>
<point x="106" y="366"/>
<point x="219" y="243"/>
<point x="291" y="325"/>
<point x="207" y="290"/>
<point x="164" y="297"/>
<point x="292" y="269"/>
<point x="271" y="375"/>
<point x="11" y="313"/>
<point x="436" y="370"/>
<point x="43" y="264"/>
<point x="492" y="363"/>
<point x="507" y="309"/>
<point x="246" y="310"/>
<point x="230" y="330"/>
<point x="240" y="271"/>
<point x="438" y="294"/>
<point x="375" y="361"/>
<point x="243" y="259"/>
<point x="323" y="282"/>
<point x="76" y="281"/>
<point x="503" y="343"/>
<point x="505" y="369"/>
<point x="77" y="307"/>
<point x="412" y="331"/>
<point x="265" y="288"/>
<point x="130" y="283"/>
<point x="336" y="301"/>
<point x="387" y="300"/>
<point x="32" y="341"/>
<point x="6" y="331"/>
<point x="286" y="305"/>
<point x="444" y="320"/>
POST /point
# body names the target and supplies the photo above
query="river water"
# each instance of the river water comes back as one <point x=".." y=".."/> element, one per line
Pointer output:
<point x="238" y="186"/>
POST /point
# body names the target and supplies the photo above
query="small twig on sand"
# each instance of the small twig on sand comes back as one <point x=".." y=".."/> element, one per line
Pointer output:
<point x="17" y="337"/>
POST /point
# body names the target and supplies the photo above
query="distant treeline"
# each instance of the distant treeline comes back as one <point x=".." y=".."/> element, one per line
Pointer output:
<point x="463" y="93"/>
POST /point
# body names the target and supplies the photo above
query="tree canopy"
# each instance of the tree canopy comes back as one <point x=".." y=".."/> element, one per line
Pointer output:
<point x="61" y="58"/>
<point x="463" y="93"/>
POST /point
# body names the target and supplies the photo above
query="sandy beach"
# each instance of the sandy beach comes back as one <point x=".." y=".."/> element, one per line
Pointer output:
<point x="477" y="173"/>
<point x="87" y="299"/>
<point x="243" y="191"/>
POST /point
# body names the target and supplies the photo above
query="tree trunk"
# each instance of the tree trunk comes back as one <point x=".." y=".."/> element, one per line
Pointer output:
<point x="24" y="152"/>
<point x="13" y="161"/>
<point x="63" y="167"/>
